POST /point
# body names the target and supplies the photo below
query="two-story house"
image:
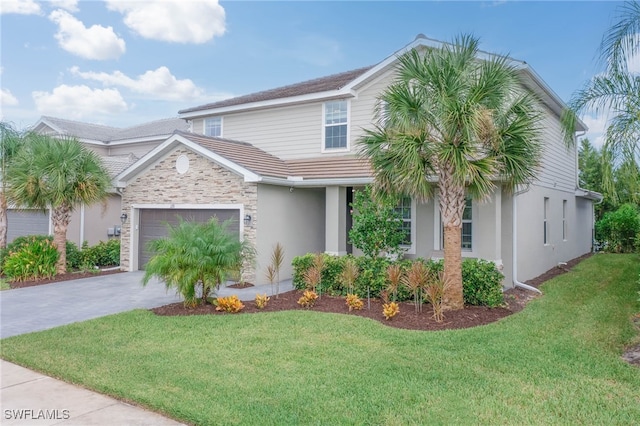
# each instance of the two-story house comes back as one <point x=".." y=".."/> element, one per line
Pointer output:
<point x="118" y="148"/>
<point x="283" y="163"/>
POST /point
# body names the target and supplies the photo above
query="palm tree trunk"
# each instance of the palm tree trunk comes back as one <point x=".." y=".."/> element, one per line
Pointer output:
<point x="453" y="298"/>
<point x="61" y="216"/>
<point x="3" y="221"/>
<point x="452" y="201"/>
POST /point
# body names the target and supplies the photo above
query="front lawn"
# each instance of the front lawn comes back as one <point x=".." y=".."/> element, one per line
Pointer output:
<point x="557" y="362"/>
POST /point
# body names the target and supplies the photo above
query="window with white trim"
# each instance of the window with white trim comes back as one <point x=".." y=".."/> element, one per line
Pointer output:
<point x="564" y="220"/>
<point x="335" y="125"/>
<point x="545" y="224"/>
<point x="213" y="126"/>
<point x="404" y="209"/>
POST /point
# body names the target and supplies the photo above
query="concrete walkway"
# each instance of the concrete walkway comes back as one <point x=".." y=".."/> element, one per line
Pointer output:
<point x="30" y="398"/>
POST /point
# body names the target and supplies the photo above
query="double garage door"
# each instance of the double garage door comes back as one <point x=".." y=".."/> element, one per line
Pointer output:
<point x="153" y="224"/>
<point x="26" y="222"/>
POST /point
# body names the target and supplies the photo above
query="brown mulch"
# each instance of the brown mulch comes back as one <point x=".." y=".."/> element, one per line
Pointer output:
<point x="61" y="277"/>
<point x="240" y="285"/>
<point x="471" y="316"/>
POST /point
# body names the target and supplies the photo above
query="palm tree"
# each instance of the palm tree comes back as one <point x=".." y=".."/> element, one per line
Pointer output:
<point x="196" y="254"/>
<point x="617" y="92"/>
<point x="57" y="174"/>
<point x="10" y="143"/>
<point x="453" y="125"/>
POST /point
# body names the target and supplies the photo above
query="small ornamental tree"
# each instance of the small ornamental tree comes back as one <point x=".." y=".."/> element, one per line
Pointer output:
<point x="377" y="224"/>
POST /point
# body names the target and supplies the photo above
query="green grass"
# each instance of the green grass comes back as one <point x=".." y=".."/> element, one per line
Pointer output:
<point x="4" y="285"/>
<point x="557" y="362"/>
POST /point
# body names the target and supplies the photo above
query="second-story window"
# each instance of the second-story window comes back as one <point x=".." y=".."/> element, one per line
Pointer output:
<point x="335" y="125"/>
<point x="213" y="126"/>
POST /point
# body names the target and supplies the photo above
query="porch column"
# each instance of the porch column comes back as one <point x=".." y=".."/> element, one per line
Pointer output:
<point x="336" y="220"/>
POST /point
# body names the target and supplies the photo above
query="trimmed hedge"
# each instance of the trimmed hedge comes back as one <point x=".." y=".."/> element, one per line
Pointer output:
<point x="482" y="281"/>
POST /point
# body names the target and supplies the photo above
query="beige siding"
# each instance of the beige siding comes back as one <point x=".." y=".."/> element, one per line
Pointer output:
<point x="558" y="162"/>
<point x="138" y="149"/>
<point x="363" y="107"/>
<point x="295" y="219"/>
<point x="99" y="217"/>
<point x="288" y="132"/>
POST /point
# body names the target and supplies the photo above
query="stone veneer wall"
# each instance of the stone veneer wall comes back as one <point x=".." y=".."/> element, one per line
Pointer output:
<point x="204" y="183"/>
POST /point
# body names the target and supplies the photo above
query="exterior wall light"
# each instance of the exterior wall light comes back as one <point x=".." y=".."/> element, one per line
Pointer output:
<point x="247" y="219"/>
<point x="123" y="218"/>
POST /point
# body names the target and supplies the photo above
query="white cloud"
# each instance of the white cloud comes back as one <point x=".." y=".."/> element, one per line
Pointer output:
<point x="70" y="5"/>
<point x="78" y="102"/>
<point x="7" y="99"/>
<point x="96" y="42"/>
<point x="597" y="128"/>
<point x="22" y="7"/>
<point x="173" y="20"/>
<point x="158" y="84"/>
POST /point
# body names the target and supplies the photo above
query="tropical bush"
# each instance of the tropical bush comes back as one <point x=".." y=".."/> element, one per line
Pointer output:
<point x="30" y="259"/>
<point x="261" y="301"/>
<point x="105" y="253"/>
<point x="377" y="224"/>
<point x="75" y="259"/>
<point x="482" y="281"/>
<point x="196" y="256"/>
<point x="354" y="302"/>
<point x="230" y="304"/>
<point x="617" y="231"/>
<point x="308" y="299"/>
<point x="390" y="310"/>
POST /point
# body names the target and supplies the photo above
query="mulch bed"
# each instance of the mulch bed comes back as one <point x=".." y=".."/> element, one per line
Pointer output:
<point x="61" y="277"/>
<point x="471" y="316"/>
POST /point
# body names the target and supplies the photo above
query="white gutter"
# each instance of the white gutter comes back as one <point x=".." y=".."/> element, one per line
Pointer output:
<point x="514" y="250"/>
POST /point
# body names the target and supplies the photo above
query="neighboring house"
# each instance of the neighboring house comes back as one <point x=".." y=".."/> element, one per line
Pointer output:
<point x="119" y="149"/>
<point x="283" y="164"/>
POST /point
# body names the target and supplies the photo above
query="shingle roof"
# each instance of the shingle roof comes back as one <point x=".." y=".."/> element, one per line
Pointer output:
<point x="330" y="167"/>
<point x="265" y="164"/>
<point x="108" y="134"/>
<point x="243" y="154"/>
<point x="115" y="164"/>
<point x="322" y="84"/>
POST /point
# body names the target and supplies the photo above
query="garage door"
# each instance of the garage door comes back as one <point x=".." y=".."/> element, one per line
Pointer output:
<point x="29" y="222"/>
<point x="153" y="224"/>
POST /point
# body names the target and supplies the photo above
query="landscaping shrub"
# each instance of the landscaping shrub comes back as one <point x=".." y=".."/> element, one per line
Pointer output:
<point x="105" y="253"/>
<point x="617" y="231"/>
<point x="229" y="304"/>
<point x="354" y="302"/>
<point x="75" y="258"/>
<point x="261" y="300"/>
<point x="308" y="299"/>
<point x="3" y="255"/>
<point x="482" y="283"/>
<point x="390" y="310"/>
<point x="31" y="258"/>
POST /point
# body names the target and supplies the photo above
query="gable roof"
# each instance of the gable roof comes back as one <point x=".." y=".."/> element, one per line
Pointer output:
<point x="256" y="165"/>
<point x="317" y="85"/>
<point x="158" y="129"/>
<point x="343" y="84"/>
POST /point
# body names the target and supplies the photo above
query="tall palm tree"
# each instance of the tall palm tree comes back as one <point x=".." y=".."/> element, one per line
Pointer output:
<point x="57" y="174"/>
<point x="10" y="143"/>
<point x="196" y="254"/>
<point x="616" y="91"/>
<point x="453" y="125"/>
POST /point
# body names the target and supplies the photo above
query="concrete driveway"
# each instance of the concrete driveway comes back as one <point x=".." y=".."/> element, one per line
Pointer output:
<point x="29" y="309"/>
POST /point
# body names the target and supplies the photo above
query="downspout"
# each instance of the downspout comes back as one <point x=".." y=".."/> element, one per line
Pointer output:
<point x="593" y="205"/>
<point x="514" y="249"/>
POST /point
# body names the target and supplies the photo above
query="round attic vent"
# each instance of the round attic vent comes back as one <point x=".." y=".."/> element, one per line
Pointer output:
<point x="182" y="164"/>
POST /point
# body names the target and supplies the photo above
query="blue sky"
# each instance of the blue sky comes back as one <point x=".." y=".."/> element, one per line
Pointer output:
<point x="122" y="63"/>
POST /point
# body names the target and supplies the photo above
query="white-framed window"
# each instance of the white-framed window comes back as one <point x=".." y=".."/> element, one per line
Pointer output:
<point x="405" y="211"/>
<point x="213" y="126"/>
<point x="336" y="125"/>
<point x="564" y="220"/>
<point x="545" y="234"/>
